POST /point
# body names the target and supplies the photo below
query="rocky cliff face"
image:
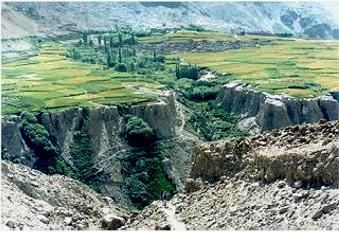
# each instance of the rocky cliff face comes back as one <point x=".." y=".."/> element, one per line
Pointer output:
<point x="33" y="200"/>
<point x="261" y="111"/>
<point x="308" y="153"/>
<point x="106" y="128"/>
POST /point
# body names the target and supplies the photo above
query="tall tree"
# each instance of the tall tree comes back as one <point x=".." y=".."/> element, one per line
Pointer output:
<point x="105" y="42"/>
<point x="111" y="42"/>
<point x="99" y="39"/>
<point x="132" y="38"/>
<point x="109" y="60"/>
<point x="120" y="39"/>
<point x="84" y="37"/>
<point x="120" y="60"/>
<point x="154" y="55"/>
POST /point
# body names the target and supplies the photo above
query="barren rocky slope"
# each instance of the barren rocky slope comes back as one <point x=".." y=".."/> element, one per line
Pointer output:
<point x="286" y="179"/>
<point x="33" y="200"/>
<point x="50" y="19"/>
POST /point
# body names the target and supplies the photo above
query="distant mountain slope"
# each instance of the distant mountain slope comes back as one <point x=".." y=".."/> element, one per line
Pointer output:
<point x="47" y="19"/>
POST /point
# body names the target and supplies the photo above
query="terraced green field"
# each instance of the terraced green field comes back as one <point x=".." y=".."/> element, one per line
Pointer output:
<point x="301" y="68"/>
<point x="51" y="81"/>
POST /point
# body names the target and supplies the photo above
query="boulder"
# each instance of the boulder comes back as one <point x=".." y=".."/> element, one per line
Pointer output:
<point x="112" y="222"/>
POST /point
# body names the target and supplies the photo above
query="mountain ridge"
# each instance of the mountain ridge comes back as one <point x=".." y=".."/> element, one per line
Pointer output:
<point x="309" y="20"/>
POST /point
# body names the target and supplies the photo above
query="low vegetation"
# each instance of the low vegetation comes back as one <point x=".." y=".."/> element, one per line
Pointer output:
<point x="145" y="175"/>
<point x="82" y="154"/>
<point x="52" y="81"/>
<point x="138" y="132"/>
<point x="302" y="68"/>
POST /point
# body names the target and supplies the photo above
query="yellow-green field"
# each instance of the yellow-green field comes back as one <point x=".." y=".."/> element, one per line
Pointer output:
<point x="51" y="81"/>
<point x="301" y="68"/>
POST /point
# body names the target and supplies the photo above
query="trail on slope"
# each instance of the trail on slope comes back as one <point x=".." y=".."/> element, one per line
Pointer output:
<point x="169" y="210"/>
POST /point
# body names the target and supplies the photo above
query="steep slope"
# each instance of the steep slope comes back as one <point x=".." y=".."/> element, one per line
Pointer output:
<point x="33" y="200"/>
<point x="261" y="111"/>
<point x="301" y="19"/>
<point x="92" y="142"/>
<point x="286" y="179"/>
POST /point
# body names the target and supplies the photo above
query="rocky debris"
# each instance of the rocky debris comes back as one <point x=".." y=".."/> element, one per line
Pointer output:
<point x="33" y="200"/>
<point x="112" y="222"/>
<point x="192" y="185"/>
<point x="158" y="216"/>
<point x="153" y="217"/>
<point x="304" y="155"/>
<point x="239" y="204"/>
<point x="293" y="185"/>
<point x="172" y="47"/>
<point x="262" y="111"/>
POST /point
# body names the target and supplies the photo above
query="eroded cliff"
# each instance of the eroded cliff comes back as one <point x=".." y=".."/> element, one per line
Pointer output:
<point x="261" y="111"/>
<point x="105" y="130"/>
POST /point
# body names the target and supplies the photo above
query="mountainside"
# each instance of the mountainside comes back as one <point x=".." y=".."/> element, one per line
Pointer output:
<point x="48" y="19"/>
<point x="33" y="200"/>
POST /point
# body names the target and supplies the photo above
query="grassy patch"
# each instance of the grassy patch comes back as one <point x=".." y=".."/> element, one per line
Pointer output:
<point x="51" y="81"/>
<point x="300" y="68"/>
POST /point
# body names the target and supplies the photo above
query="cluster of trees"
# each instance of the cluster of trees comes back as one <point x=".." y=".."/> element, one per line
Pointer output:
<point x="38" y="139"/>
<point x="186" y="71"/>
<point x="194" y="27"/>
<point x="138" y="132"/>
<point x="116" y="51"/>
<point x="142" y="166"/>
<point x="145" y="175"/>
<point x="49" y="159"/>
<point x="82" y="152"/>
<point x="212" y="123"/>
<point x="202" y="91"/>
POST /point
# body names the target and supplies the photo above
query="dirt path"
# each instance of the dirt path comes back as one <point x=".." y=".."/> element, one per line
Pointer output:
<point x="169" y="210"/>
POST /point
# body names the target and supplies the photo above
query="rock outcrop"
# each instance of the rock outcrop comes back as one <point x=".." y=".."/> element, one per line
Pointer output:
<point x="106" y="127"/>
<point x="308" y="153"/>
<point x="260" y="111"/>
<point x="33" y="200"/>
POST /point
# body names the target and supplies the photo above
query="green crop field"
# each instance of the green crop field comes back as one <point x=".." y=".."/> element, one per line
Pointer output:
<point x="301" y="68"/>
<point x="51" y="81"/>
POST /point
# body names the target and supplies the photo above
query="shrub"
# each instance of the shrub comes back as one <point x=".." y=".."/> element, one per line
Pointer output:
<point x="36" y="134"/>
<point x="187" y="71"/>
<point x="121" y="67"/>
<point x="87" y="59"/>
<point x="82" y="153"/>
<point x="138" y="132"/>
<point x="73" y="54"/>
<point x="202" y="93"/>
<point x="145" y="175"/>
<point x="37" y="138"/>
